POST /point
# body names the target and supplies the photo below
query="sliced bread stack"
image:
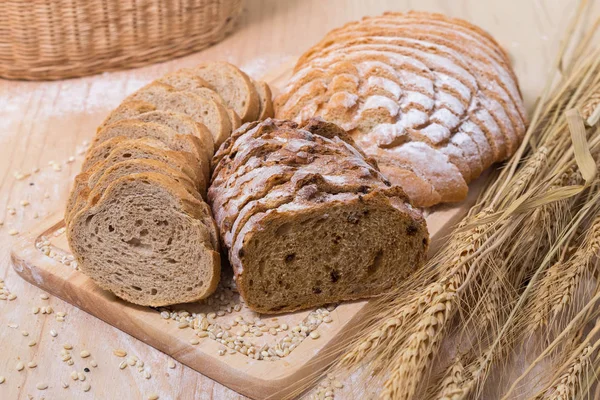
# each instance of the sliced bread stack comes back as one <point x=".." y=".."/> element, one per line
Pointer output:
<point x="433" y="99"/>
<point x="137" y="220"/>
<point x="308" y="219"/>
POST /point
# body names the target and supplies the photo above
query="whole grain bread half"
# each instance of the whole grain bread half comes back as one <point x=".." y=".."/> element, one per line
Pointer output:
<point x="308" y="220"/>
<point x="147" y="240"/>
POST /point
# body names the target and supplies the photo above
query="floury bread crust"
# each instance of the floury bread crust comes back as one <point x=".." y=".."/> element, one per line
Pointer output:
<point x="148" y="241"/>
<point x="433" y="99"/>
<point x="307" y="220"/>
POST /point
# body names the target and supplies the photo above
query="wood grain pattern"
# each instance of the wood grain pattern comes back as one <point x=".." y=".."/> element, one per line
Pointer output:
<point x="40" y="122"/>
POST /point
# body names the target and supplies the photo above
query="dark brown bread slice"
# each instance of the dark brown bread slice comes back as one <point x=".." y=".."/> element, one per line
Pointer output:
<point x="146" y="241"/>
<point x="289" y="188"/>
<point x="234" y="86"/>
<point x="348" y="247"/>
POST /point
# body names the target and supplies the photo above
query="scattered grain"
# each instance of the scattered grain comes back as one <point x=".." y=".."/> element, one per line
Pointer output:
<point x="31" y="364"/>
<point x="84" y="354"/>
<point x="87" y="387"/>
<point x="171" y="363"/>
<point x="64" y="384"/>
<point x="24" y="333"/>
<point x="147" y="374"/>
<point x="81" y="376"/>
<point x="44" y="296"/>
<point x="11" y="296"/>
<point x="20" y="366"/>
<point x="42" y="386"/>
<point x="74" y="375"/>
<point x="24" y="203"/>
<point x="123" y="365"/>
<point x="93" y="363"/>
<point x="53" y="333"/>
<point x="194" y="341"/>
<point x="32" y="343"/>
<point x="2" y="379"/>
<point x="315" y="335"/>
<point x="35" y="310"/>
<point x="67" y="346"/>
<point x="153" y="396"/>
<point x="119" y="352"/>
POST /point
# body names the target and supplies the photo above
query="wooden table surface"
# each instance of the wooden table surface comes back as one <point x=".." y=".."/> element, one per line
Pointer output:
<point x="42" y="125"/>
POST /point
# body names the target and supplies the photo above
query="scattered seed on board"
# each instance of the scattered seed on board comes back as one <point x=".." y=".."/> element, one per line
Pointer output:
<point x="2" y="379"/>
<point x="74" y="375"/>
<point x="86" y="387"/>
<point x="131" y="361"/>
<point x="81" y="376"/>
<point x="93" y="363"/>
<point x="153" y="396"/>
<point x="35" y="310"/>
<point x="24" y="203"/>
<point x="194" y="341"/>
<point x="67" y="346"/>
<point x="20" y="366"/>
<point x="42" y="386"/>
<point x="44" y="296"/>
<point x="53" y="333"/>
<point x="147" y="374"/>
<point x="84" y="354"/>
<point x="31" y="364"/>
<point x="123" y="365"/>
<point x="13" y="232"/>
<point x="24" y="333"/>
<point x="315" y="335"/>
<point x="64" y="384"/>
<point x="119" y="352"/>
<point x="171" y="364"/>
<point x="32" y="343"/>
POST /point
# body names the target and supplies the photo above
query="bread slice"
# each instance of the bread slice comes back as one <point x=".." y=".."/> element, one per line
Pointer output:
<point x="146" y="241"/>
<point x="266" y="100"/>
<point x="182" y="124"/>
<point x="277" y="185"/>
<point x="127" y="110"/>
<point x="104" y="174"/>
<point x="234" y="86"/>
<point x="206" y="111"/>
<point x="134" y="129"/>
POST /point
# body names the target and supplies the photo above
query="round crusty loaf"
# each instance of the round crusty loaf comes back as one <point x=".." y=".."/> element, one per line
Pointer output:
<point x="148" y="241"/>
<point x="308" y="220"/>
<point x="433" y="99"/>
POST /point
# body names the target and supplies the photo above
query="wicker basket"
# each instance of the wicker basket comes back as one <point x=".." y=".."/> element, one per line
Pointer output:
<point x="55" y="39"/>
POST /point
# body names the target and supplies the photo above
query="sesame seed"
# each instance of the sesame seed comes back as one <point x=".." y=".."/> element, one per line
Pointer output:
<point x="93" y="363"/>
<point x="35" y="310"/>
<point x="42" y="386"/>
<point x="24" y="203"/>
<point x="74" y="375"/>
<point x="67" y="346"/>
<point x="24" y="333"/>
<point x="2" y="379"/>
<point x="123" y="365"/>
<point x="86" y="387"/>
<point x="81" y="376"/>
<point x="11" y="211"/>
<point x="53" y="333"/>
<point x="84" y="354"/>
<point x="327" y="319"/>
<point x="147" y="374"/>
<point x="32" y="343"/>
<point x="222" y="352"/>
<point x="338" y="384"/>
<point x="171" y="364"/>
<point x="20" y="366"/>
<point x="119" y="352"/>
<point x="153" y="396"/>
<point x="202" y="334"/>
<point x="66" y="357"/>
<point x="61" y="314"/>
<point x="13" y="326"/>
<point x="315" y="335"/>
<point x="64" y="384"/>
<point x="44" y="296"/>
<point x="194" y="341"/>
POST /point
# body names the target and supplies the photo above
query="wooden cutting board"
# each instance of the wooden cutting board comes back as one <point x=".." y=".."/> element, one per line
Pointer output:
<point x="40" y="259"/>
